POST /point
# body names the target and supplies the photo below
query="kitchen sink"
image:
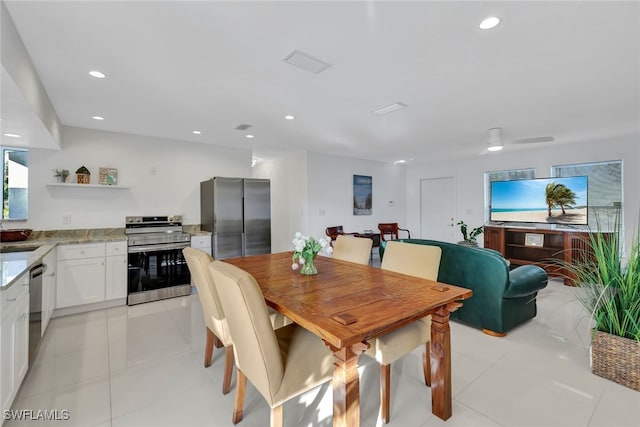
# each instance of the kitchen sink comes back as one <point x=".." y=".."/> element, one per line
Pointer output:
<point x="12" y="249"/>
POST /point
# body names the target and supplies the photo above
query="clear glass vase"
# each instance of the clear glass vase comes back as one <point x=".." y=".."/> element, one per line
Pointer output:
<point x="308" y="268"/>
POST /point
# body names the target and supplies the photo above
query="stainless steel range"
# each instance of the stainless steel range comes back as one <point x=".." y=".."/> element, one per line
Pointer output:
<point x="157" y="268"/>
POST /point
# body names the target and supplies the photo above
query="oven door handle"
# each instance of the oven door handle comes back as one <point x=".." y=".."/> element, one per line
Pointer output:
<point x="158" y="247"/>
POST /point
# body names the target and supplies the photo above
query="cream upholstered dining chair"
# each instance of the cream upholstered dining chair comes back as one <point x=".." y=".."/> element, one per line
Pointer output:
<point x="353" y="249"/>
<point x="214" y="318"/>
<point x="217" y="328"/>
<point x="414" y="260"/>
<point x="281" y="363"/>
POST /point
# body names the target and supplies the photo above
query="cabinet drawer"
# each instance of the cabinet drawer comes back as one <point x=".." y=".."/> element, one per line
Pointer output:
<point x="8" y="297"/>
<point x="116" y="248"/>
<point x="89" y="250"/>
<point x="201" y="241"/>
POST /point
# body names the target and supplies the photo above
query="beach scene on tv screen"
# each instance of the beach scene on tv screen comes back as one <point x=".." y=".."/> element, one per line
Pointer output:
<point x="547" y="200"/>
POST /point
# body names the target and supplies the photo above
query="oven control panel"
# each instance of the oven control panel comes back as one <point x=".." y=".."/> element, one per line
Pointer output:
<point x="170" y="219"/>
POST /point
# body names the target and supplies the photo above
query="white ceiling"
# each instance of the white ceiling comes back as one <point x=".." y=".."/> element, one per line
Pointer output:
<point x="566" y="69"/>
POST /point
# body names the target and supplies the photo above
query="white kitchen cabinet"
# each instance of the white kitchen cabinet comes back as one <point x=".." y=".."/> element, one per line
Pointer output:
<point x="14" y="341"/>
<point x="116" y="274"/>
<point x="48" y="288"/>
<point x="202" y="241"/>
<point x="81" y="274"/>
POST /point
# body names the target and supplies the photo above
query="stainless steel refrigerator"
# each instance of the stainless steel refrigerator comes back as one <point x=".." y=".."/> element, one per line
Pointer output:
<point x="237" y="212"/>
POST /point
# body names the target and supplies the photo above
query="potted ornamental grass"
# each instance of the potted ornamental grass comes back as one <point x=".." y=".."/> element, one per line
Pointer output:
<point x="609" y="291"/>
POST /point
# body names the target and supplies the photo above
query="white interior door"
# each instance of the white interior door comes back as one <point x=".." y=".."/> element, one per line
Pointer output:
<point x="438" y="209"/>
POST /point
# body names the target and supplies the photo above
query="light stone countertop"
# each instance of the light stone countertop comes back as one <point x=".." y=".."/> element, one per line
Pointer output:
<point x="17" y="258"/>
<point x="13" y="265"/>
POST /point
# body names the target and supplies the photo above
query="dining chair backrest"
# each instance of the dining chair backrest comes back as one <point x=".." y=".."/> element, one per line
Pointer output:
<point x="389" y="231"/>
<point x="255" y="345"/>
<point x="414" y="260"/>
<point x="353" y="249"/>
<point x="198" y="262"/>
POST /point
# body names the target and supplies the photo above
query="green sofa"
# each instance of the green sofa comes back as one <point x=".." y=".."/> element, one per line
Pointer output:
<point x="502" y="299"/>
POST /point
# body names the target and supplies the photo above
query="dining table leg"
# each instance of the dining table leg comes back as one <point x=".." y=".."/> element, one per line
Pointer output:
<point x="346" y="385"/>
<point x="441" y="361"/>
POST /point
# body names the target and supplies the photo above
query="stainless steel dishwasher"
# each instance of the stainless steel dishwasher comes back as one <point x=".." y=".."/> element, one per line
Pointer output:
<point x="35" y="309"/>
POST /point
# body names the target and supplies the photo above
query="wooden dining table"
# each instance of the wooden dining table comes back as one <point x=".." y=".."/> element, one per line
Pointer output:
<point x="348" y="304"/>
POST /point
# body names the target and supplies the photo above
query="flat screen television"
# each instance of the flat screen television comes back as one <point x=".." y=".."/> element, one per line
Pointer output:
<point x="526" y="201"/>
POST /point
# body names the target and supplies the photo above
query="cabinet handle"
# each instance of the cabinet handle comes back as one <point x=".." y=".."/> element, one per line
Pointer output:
<point x="11" y="299"/>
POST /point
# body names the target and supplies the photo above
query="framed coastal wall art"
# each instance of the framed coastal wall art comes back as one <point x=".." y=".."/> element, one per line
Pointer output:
<point x="108" y="176"/>
<point x="362" y="195"/>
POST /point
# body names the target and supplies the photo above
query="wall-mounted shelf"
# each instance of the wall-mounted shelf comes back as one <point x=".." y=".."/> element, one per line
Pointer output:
<point x="69" y="185"/>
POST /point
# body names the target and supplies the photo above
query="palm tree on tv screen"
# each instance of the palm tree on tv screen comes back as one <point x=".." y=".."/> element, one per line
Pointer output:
<point x="559" y="195"/>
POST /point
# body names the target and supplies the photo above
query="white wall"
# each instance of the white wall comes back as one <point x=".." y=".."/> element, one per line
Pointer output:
<point x="173" y="189"/>
<point x="312" y="191"/>
<point x="331" y="193"/>
<point x="469" y="174"/>
<point x="288" y="175"/>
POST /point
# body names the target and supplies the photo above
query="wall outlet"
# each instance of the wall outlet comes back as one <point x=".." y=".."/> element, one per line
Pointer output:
<point x="66" y="219"/>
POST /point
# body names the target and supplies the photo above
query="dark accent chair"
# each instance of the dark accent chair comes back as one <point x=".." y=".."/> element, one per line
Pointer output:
<point x="334" y="232"/>
<point x="501" y="300"/>
<point x="391" y="231"/>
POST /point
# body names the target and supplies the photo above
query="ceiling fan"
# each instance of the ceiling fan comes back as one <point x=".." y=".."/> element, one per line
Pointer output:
<point x="496" y="143"/>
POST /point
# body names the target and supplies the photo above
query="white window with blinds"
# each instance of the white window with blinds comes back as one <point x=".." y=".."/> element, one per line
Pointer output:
<point x="604" y="190"/>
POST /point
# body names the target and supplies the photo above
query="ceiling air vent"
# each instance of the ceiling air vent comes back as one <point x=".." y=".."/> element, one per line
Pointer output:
<point x="389" y="108"/>
<point x="306" y="62"/>
<point x="242" y="126"/>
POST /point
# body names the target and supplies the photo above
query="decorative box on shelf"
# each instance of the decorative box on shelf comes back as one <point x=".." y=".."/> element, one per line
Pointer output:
<point x="108" y="176"/>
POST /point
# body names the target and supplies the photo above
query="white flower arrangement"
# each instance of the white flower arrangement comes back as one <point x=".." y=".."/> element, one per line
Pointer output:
<point x="306" y="248"/>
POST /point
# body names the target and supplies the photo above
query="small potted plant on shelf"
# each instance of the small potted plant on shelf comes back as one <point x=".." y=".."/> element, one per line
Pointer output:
<point x="61" y="175"/>
<point x="609" y="291"/>
<point x="469" y="238"/>
<point x="83" y="174"/>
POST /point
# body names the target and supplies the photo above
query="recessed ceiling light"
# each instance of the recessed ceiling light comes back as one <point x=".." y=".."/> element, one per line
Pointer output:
<point x="249" y="136"/>
<point x="12" y="135"/>
<point x="389" y="108"/>
<point x="289" y="117"/>
<point x="399" y="162"/>
<point x="489" y="23"/>
<point x="97" y="118"/>
<point x="196" y="132"/>
<point x="495" y="147"/>
<point x="97" y="74"/>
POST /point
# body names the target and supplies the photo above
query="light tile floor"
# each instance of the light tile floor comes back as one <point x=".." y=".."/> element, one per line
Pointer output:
<point x="142" y="366"/>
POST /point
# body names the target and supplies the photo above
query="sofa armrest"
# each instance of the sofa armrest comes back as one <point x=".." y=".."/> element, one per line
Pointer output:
<point x="525" y="280"/>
